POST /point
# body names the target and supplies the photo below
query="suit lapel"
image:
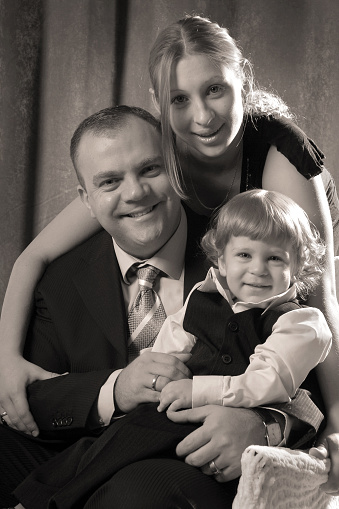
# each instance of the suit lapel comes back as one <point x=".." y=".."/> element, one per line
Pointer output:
<point x="100" y="289"/>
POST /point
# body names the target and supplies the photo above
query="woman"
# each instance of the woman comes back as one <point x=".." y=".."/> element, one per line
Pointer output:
<point x="221" y="136"/>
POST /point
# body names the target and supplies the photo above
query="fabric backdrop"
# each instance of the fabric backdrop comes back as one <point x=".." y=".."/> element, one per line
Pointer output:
<point x="61" y="60"/>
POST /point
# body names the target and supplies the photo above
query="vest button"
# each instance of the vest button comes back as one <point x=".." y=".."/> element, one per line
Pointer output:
<point x="226" y="359"/>
<point x="233" y="326"/>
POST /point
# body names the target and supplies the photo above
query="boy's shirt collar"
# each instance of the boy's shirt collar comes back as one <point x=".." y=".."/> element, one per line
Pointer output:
<point x="215" y="282"/>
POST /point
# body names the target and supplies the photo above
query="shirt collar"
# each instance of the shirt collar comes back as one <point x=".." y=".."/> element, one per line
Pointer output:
<point x="215" y="282"/>
<point x="169" y="259"/>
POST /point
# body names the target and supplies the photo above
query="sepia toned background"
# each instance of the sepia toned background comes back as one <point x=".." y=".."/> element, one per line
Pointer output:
<point x="61" y="60"/>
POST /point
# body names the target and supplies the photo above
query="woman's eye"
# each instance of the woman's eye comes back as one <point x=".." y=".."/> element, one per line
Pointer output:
<point x="152" y="171"/>
<point x="179" y="99"/>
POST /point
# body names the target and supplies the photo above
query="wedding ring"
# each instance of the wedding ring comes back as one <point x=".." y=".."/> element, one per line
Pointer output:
<point x="214" y="469"/>
<point x="2" y="415"/>
<point x="154" y="381"/>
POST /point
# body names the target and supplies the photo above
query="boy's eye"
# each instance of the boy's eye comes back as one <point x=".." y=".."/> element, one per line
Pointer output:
<point x="275" y="258"/>
<point x="243" y="255"/>
<point x="214" y="89"/>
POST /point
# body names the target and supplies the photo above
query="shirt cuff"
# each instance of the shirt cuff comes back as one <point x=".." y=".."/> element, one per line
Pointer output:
<point x="106" y="405"/>
<point x="207" y="390"/>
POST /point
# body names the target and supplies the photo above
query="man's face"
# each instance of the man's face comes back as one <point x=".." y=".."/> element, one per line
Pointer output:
<point x="127" y="188"/>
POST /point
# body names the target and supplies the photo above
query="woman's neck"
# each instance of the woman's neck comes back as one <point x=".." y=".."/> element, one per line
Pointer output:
<point x="211" y="185"/>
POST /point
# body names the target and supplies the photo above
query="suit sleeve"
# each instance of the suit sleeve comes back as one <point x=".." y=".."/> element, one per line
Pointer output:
<point x="65" y="405"/>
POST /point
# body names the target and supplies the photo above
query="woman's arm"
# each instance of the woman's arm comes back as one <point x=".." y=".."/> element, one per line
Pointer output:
<point x="71" y="227"/>
<point x="281" y="175"/>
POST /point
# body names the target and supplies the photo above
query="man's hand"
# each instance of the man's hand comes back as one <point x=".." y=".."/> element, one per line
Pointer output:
<point x="176" y="395"/>
<point x="15" y="374"/>
<point x="134" y="384"/>
<point x="223" y="437"/>
<point x="329" y="448"/>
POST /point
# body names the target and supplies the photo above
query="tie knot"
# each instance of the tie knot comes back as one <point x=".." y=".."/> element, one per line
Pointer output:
<point x="147" y="276"/>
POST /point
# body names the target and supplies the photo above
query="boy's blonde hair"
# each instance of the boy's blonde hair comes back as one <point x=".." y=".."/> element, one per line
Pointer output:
<point x="270" y="216"/>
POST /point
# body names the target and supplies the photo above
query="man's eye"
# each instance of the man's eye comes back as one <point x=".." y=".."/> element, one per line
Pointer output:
<point x="109" y="183"/>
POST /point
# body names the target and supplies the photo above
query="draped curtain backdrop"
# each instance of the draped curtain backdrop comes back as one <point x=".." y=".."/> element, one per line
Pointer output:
<point x="62" y="60"/>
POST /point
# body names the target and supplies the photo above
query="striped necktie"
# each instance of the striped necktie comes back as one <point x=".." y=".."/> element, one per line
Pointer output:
<point x="147" y="313"/>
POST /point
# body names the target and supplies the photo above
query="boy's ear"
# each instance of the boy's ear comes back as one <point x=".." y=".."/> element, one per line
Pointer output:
<point x="154" y="101"/>
<point x="84" y="198"/>
<point x="221" y="266"/>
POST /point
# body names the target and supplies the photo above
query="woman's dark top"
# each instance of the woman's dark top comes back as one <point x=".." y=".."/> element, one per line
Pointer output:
<point x="260" y="133"/>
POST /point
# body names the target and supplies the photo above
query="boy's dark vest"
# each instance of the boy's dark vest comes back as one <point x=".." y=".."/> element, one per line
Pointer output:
<point x="226" y="340"/>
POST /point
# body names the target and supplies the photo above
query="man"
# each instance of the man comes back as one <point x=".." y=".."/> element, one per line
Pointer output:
<point x="80" y="326"/>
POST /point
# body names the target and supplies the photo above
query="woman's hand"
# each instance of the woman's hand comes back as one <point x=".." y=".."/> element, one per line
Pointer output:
<point x="15" y="374"/>
<point x="329" y="448"/>
<point x="222" y="438"/>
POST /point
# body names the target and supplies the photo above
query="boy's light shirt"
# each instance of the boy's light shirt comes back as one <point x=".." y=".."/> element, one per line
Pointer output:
<point x="170" y="259"/>
<point x="277" y="367"/>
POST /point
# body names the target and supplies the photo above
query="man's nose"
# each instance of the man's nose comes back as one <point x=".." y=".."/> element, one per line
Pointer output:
<point x="203" y="114"/>
<point x="134" y="190"/>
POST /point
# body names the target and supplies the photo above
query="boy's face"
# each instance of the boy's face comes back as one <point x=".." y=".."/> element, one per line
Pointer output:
<point x="256" y="270"/>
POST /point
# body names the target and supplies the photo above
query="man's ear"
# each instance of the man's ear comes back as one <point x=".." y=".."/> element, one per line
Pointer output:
<point x="84" y="198"/>
<point x="221" y="266"/>
<point x="154" y="101"/>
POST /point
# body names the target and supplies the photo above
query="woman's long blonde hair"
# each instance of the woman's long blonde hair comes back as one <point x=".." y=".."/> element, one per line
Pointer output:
<point x="196" y="35"/>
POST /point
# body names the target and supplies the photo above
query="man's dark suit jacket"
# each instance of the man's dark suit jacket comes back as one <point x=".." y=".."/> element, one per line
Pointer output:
<point x="80" y="327"/>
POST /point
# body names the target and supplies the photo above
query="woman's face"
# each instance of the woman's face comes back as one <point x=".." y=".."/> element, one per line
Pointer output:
<point x="206" y="110"/>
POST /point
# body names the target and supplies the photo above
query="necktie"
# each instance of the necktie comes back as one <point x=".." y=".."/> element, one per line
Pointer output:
<point x="147" y="313"/>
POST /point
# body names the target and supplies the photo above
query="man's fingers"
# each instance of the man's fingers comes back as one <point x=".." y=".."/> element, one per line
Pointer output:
<point x="176" y="405"/>
<point x="195" y="441"/>
<point x="170" y="361"/>
<point x="192" y="415"/>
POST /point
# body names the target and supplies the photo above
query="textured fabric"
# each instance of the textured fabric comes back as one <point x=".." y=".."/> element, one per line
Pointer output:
<point x="147" y="313"/>
<point x="276" y="478"/>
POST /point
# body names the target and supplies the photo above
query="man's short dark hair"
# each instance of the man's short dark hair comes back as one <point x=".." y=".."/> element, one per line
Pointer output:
<point x="105" y="121"/>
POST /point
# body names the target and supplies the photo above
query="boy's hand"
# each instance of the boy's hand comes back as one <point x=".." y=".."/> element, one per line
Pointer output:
<point x="176" y="395"/>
